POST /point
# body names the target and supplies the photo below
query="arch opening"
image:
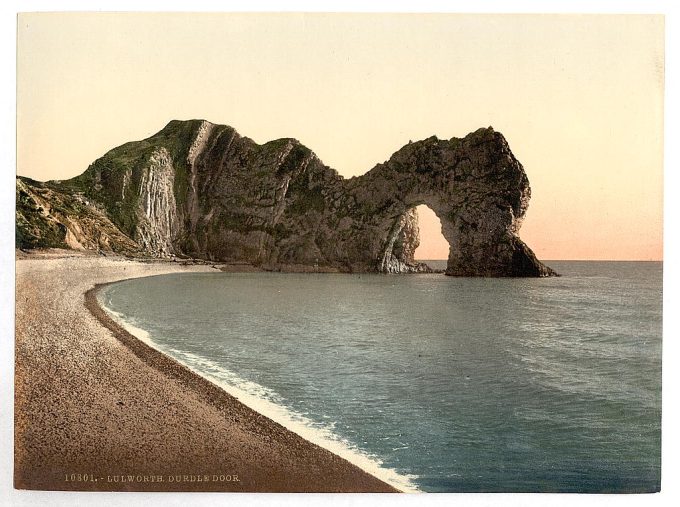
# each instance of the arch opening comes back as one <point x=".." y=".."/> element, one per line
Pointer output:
<point x="433" y="248"/>
<point x="415" y="243"/>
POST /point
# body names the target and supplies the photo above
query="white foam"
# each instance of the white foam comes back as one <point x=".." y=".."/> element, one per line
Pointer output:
<point x="268" y="403"/>
<point x="130" y="328"/>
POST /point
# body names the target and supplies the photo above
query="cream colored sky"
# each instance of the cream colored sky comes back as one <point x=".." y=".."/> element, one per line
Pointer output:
<point x="579" y="98"/>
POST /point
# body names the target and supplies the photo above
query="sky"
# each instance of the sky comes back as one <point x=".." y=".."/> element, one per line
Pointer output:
<point x="578" y="97"/>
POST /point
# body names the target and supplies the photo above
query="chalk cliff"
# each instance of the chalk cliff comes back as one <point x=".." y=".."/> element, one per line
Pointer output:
<point x="201" y="190"/>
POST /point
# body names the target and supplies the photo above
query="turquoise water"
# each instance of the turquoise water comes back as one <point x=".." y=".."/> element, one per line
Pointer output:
<point x="454" y="384"/>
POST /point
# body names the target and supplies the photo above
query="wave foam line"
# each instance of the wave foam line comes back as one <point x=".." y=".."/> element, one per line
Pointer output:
<point x="260" y="399"/>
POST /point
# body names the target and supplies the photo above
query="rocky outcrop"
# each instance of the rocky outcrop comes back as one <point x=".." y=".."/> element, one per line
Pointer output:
<point x="46" y="217"/>
<point x="201" y="190"/>
<point x="157" y="215"/>
<point x="400" y="246"/>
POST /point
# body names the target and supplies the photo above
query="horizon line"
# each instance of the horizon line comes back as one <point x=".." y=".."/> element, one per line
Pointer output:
<point x="571" y="260"/>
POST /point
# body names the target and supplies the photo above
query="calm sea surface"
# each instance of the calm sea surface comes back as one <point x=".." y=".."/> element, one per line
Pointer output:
<point x="450" y="384"/>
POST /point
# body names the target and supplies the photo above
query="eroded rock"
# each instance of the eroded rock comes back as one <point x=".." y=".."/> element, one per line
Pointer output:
<point x="201" y="190"/>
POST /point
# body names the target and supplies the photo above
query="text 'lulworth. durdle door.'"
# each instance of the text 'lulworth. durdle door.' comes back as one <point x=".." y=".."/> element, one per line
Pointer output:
<point x="201" y="190"/>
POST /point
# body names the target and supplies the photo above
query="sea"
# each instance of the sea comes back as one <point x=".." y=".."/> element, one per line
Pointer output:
<point x="434" y="383"/>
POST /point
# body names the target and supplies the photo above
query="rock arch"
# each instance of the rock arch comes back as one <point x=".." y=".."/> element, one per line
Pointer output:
<point x="476" y="187"/>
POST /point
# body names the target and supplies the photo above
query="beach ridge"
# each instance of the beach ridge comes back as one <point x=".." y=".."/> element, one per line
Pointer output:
<point x="97" y="409"/>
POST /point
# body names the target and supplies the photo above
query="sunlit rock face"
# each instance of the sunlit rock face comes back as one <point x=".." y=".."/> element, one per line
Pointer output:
<point x="201" y="190"/>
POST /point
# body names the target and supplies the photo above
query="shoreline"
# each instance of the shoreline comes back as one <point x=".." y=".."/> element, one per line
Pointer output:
<point x="109" y="406"/>
<point x="212" y="391"/>
<point x="224" y="266"/>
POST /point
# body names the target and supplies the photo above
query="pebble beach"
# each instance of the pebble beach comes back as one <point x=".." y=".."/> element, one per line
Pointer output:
<point x="98" y="410"/>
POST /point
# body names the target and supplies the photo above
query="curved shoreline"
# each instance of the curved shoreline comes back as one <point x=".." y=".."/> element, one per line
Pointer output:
<point x="140" y="414"/>
<point x="204" y="387"/>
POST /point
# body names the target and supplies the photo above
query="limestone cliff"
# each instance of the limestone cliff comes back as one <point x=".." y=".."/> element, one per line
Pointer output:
<point x="201" y="190"/>
<point x="46" y="217"/>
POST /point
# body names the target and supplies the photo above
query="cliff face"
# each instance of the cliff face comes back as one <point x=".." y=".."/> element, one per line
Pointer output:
<point x="46" y="217"/>
<point x="202" y="190"/>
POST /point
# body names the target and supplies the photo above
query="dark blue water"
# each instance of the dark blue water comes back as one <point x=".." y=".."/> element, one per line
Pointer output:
<point x="462" y="384"/>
